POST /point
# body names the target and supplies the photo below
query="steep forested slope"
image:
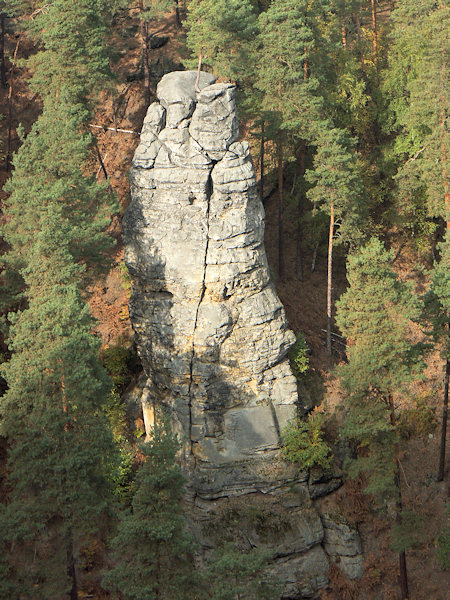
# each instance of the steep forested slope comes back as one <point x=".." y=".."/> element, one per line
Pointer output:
<point x="346" y="110"/>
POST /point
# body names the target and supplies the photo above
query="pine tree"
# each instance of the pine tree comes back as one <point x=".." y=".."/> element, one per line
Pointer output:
<point x="437" y="312"/>
<point x="373" y="314"/>
<point x="151" y="550"/>
<point x="338" y="192"/>
<point x="60" y="445"/>
<point x="416" y="82"/>
<point x="221" y="33"/>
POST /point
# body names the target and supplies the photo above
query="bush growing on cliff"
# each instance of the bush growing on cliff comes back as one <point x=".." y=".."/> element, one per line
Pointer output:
<point x="234" y="574"/>
<point x="298" y="356"/>
<point x="303" y="443"/>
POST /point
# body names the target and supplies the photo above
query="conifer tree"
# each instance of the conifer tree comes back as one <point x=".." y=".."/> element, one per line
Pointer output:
<point x="437" y="312"/>
<point x="60" y="445"/>
<point x="151" y="550"/>
<point x="338" y="192"/>
<point x="373" y="314"/>
<point x="416" y="82"/>
<point x="221" y="33"/>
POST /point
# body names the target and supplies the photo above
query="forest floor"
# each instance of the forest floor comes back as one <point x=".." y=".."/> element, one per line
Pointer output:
<point x="305" y="304"/>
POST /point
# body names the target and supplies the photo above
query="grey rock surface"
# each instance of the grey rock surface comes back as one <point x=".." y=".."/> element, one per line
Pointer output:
<point x="343" y="545"/>
<point x="210" y="330"/>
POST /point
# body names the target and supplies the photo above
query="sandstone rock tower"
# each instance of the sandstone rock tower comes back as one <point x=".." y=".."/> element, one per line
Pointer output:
<point x="210" y="329"/>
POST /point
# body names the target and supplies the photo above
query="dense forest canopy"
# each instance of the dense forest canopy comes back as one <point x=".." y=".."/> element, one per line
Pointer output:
<point x="346" y="107"/>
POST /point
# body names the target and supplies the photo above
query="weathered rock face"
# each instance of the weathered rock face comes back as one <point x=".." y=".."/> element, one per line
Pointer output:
<point x="210" y="329"/>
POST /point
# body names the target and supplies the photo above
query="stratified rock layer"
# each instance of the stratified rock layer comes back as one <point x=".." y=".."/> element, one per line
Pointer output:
<point x="210" y="329"/>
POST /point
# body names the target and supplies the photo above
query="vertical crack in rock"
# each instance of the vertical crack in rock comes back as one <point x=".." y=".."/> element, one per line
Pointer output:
<point x="202" y="295"/>
<point x="210" y="330"/>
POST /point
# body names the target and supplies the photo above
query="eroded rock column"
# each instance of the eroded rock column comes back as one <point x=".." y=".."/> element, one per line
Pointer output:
<point x="210" y="329"/>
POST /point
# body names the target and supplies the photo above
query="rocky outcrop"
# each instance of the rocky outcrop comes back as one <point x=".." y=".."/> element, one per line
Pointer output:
<point x="210" y="329"/>
<point x="343" y="545"/>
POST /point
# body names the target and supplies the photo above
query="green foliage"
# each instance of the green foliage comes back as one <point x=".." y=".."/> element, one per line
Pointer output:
<point x="298" y="356"/>
<point x="337" y="183"/>
<point x="61" y="449"/>
<point x="303" y="443"/>
<point x="151" y="550"/>
<point x="436" y="310"/>
<point x="373" y="314"/>
<point x="415" y="82"/>
<point x="123" y="470"/>
<point x="289" y="39"/>
<point x="408" y="533"/>
<point x="224" y="31"/>
<point x="418" y="420"/>
<point x="120" y="361"/>
<point x="125" y="275"/>
<point x="234" y="574"/>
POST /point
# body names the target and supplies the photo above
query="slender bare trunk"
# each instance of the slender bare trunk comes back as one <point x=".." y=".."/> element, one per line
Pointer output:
<point x="72" y="574"/>
<point x="343" y="33"/>
<point x="103" y="168"/>
<point x="3" y="81"/>
<point x="199" y="68"/>
<point x="145" y="57"/>
<point x="261" y="162"/>
<point x="441" y="469"/>
<point x="398" y="509"/>
<point x="374" y="33"/>
<point x="10" y="108"/>
<point x="330" y="277"/>
<point x="177" y="13"/>
<point x="299" y="261"/>
<point x="314" y="258"/>
<point x="361" y="54"/>
<point x="280" y="211"/>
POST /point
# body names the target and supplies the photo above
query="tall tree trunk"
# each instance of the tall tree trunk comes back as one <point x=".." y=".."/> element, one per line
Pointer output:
<point x="199" y="68"/>
<point x="280" y="211"/>
<point x="71" y="571"/>
<point x="10" y="108"/>
<point x="441" y="468"/>
<point x="330" y="277"/>
<point x="343" y="33"/>
<point x="145" y="57"/>
<point x="361" y="54"/>
<point x="3" y="81"/>
<point x="299" y="261"/>
<point x="177" y="13"/>
<point x="374" y="32"/>
<point x="314" y="258"/>
<point x="398" y="509"/>
<point x="261" y="162"/>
